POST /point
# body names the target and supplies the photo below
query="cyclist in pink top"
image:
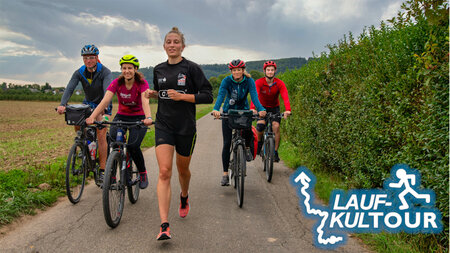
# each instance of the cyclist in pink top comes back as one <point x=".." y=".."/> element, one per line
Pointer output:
<point x="269" y="88"/>
<point x="134" y="106"/>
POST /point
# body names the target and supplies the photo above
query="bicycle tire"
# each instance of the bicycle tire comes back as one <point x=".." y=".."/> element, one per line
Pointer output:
<point x="231" y="170"/>
<point x="113" y="190"/>
<point x="240" y="174"/>
<point x="264" y="154"/>
<point x="75" y="173"/>
<point x="268" y="162"/>
<point x="132" y="182"/>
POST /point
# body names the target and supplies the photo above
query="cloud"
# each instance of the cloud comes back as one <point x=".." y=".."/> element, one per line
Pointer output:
<point x="16" y="44"/>
<point x="112" y="24"/>
<point x="149" y="55"/>
<point x="10" y="35"/>
<point x="40" y="40"/>
<point x="208" y="54"/>
<point x="391" y="11"/>
<point x="317" y="11"/>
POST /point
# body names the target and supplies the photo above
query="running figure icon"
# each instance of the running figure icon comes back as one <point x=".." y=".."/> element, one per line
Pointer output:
<point x="404" y="179"/>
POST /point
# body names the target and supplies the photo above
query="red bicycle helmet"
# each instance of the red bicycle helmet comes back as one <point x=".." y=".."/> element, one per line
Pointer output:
<point x="269" y="63"/>
<point x="236" y="64"/>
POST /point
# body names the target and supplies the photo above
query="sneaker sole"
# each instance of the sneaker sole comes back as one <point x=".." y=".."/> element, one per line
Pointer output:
<point x="164" y="237"/>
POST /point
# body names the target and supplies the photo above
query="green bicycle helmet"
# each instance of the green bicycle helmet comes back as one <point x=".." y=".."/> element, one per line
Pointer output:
<point x="129" y="58"/>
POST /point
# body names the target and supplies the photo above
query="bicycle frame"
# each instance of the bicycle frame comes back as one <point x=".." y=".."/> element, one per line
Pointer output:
<point x="268" y="149"/>
<point x="81" y="138"/>
<point x="116" y="182"/>
<point x="121" y="147"/>
<point x="79" y="163"/>
<point x="238" y="160"/>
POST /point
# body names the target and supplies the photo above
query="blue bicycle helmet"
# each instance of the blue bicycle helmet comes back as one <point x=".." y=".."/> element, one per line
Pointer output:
<point x="89" y="50"/>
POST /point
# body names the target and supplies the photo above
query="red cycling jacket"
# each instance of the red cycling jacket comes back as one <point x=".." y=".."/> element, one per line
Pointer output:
<point x="268" y="95"/>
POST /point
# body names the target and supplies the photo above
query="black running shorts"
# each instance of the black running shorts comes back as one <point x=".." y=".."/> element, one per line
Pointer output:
<point x="184" y="144"/>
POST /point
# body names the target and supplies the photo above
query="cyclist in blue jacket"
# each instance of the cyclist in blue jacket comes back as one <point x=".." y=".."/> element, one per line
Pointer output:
<point x="234" y="90"/>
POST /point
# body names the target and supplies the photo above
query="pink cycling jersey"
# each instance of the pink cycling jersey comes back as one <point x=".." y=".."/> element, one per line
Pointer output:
<point x="130" y="101"/>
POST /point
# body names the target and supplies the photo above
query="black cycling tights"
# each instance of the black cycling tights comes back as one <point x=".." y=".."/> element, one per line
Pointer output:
<point x="227" y="134"/>
<point x="134" y="138"/>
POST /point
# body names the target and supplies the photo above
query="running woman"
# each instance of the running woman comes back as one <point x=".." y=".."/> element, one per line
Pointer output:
<point x="179" y="85"/>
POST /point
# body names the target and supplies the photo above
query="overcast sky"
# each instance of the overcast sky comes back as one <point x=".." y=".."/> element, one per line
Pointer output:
<point x="40" y="40"/>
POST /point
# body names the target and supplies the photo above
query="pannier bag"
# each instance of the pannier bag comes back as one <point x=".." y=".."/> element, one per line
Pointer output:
<point x="77" y="114"/>
<point x="240" y="119"/>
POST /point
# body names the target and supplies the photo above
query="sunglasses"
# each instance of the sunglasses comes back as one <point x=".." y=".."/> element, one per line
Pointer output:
<point x="89" y="57"/>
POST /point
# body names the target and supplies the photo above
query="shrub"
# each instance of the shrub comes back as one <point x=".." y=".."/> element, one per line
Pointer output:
<point x="379" y="100"/>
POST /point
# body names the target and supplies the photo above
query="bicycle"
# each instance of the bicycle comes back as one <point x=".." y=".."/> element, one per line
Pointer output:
<point x="238" y="120"/>
<point x="120" y="174"/>
<point x="83" y="155"/>
<point x="268" y="148"/>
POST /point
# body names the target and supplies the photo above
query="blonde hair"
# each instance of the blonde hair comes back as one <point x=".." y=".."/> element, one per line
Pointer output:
<point x="176" y="31"/>
<point x="247" y="74"/>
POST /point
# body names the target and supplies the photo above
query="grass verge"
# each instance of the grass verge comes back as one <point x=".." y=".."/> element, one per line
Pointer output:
<point x="380" y="242"/>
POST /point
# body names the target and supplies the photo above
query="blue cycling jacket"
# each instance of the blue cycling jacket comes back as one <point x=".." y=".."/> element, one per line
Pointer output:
<point x="235" y="95"/>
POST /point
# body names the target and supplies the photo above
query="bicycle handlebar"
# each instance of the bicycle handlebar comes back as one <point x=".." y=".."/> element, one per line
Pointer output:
<point x="123" y="123"/>
<point x="224" y="115"/>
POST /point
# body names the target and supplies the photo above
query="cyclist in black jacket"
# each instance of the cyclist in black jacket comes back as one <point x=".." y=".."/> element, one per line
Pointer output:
<point x="95" y="79"/>
<point x="179" y="85"/>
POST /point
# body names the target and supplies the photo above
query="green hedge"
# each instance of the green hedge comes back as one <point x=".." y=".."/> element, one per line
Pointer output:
<point x="379" y="100"/>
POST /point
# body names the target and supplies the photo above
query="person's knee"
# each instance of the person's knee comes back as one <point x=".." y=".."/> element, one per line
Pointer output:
<point x="165" y="174"/>
<point x="260" y="127"/>
<point x="275" y="126"/>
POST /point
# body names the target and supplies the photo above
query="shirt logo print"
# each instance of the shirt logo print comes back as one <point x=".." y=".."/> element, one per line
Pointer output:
<point x="181" y="79"/>
<point x="162" y="80"/>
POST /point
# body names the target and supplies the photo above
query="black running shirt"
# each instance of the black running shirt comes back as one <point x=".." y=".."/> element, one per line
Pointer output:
<point x="178" y="117"/>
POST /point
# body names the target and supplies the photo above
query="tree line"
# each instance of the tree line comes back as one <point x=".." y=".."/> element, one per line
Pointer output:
<point x="216" y="72"/>
<point x="36" y="92"/>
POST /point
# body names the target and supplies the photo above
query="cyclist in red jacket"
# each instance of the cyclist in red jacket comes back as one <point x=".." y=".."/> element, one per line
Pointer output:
<point x="269" y="88"/>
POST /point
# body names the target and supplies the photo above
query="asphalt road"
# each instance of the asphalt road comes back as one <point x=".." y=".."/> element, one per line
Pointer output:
<point x="269" y="221"/>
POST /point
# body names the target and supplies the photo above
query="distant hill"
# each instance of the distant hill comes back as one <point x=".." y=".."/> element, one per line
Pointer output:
<point x="214" y="70"/>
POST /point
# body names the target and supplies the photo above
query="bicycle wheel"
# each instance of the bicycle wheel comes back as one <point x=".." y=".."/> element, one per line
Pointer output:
<point x="113" y="190"/>
<point x="75" y="173"/>
<point x="264" y="153"/>
<point x="268" y="161"/>
<point x="231" y="170"/>
<point x="132" y="182"/>
<point x="240" y="174"/>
